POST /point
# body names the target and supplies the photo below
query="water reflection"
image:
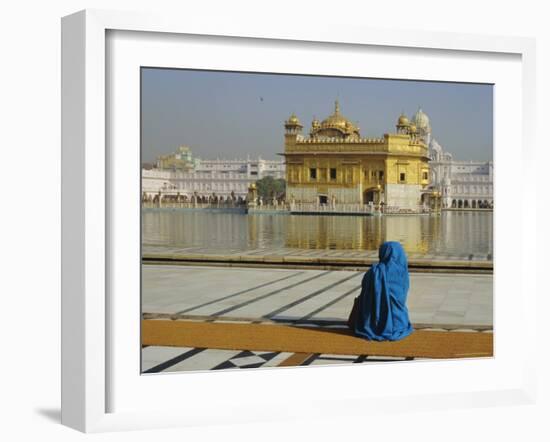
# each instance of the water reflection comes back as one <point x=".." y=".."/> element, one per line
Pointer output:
<point x="451" y="233"/>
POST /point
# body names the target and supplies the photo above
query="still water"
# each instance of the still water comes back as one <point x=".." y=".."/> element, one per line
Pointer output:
<point x="449" y="234"/>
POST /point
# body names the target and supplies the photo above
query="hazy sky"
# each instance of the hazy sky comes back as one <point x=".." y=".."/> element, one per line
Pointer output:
<point x="230" y="115"/>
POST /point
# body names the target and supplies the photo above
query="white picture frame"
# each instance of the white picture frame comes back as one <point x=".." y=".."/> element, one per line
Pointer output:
<point x="88" y="316"/>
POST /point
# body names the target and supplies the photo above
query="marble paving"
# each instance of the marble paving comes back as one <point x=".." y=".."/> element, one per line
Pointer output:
<point x="462" y="302"/>
<point x="180" y="359"/>
<point x="287" y="295"/>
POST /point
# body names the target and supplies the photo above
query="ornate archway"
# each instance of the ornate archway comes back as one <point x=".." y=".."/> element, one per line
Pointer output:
<point x="371" y="195"/>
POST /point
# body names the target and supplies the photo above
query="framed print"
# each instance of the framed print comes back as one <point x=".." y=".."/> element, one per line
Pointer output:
<point x="250" y="213"/>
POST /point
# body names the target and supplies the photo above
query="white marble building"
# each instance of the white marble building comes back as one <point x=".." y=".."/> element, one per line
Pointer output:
<point x="155" y="180"/>
<point x="207" y="177"/>
<point x="463" y="184"/>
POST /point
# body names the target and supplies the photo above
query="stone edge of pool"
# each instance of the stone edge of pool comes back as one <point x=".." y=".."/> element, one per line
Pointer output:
<point x="309" y="261"/>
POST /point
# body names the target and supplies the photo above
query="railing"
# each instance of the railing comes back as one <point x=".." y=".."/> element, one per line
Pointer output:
<point x="394" y="210"/>
<point x="331" y="208"/>
<point x="281" y="207"/>
<point x="192" y="205"/>
<point x="292" y="207"/>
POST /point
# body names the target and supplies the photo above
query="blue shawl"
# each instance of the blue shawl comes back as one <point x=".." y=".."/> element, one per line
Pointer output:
<point x="382" y="312"/>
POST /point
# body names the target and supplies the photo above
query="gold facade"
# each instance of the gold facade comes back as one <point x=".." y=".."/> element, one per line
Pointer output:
<point x="334" y="164"/>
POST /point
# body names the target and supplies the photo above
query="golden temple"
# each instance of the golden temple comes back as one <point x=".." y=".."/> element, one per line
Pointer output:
<point x="336" y="165"/>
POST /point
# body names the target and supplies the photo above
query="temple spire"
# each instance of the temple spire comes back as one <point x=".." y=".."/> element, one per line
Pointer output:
<point x="336" y="107"/>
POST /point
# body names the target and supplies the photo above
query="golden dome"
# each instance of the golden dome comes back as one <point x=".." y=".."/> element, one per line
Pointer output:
<point x="293" y="125"/>
<point x="413" y="128"/>
<point x="337" y="122"/>
<point x="403" y="120"/>
<point x="293" y="120"/>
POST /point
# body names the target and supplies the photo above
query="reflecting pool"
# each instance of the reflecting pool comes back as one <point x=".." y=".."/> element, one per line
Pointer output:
<point x="450" y="233"/>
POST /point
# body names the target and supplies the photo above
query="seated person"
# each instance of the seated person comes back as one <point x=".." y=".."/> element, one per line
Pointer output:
<point x="380" y="313"/>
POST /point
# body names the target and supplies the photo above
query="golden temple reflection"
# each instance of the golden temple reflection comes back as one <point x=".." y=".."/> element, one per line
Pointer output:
<point x="360" y="233"/>
<point x="452" y="233"/>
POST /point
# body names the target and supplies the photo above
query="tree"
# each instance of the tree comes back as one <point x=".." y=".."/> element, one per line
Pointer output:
<point x="269" y="188"/>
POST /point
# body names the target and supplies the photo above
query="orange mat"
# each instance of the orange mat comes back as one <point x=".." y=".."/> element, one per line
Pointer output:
<point x="269" y="337"/>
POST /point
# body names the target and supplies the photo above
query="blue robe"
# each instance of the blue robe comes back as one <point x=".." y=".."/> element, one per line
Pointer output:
<point x="382" y="313"/>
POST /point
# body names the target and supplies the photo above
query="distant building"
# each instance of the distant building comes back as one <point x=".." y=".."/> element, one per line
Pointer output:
<point x="181" y="173"/>
<point x="182" y="159"/>
<point x="156" y="180"/>
<point x="336" y="165"/>
<point x="463" y="184"/>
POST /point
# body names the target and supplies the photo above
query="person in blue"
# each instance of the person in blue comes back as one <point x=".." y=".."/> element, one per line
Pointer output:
<point x="380" y="311"/>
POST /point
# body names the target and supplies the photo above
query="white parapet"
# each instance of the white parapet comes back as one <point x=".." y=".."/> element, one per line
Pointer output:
<point x="406" y="196"/>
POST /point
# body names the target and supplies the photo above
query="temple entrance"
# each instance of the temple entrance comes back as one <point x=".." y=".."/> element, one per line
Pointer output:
<point x="368" y="196"/>
<point x="323" y="199"/>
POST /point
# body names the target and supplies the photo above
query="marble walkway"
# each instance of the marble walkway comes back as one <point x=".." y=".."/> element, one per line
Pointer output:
<point x="459" y="302"/>
<point x="288" y="294"/>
